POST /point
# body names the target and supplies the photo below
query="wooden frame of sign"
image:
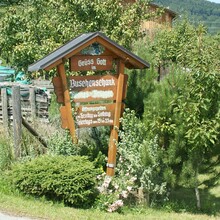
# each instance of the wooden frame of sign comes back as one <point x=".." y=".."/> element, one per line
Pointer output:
<point x="81" y="52"/>
<point x="112" y="87"/>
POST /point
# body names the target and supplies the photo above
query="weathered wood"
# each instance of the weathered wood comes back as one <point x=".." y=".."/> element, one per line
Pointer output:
<point x="33" y="132"/>
<point x="16" y="100"/>
<point x="32" y="102"/>
<point x="4" y="100"/>
<point x="67" y="103"/>
<point x="64" y="120"/>
<point x="58" y="89"/>
<point x="114" y="131"/>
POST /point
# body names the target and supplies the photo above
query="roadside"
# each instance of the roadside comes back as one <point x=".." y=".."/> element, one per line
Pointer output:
<point x="4" y="216"/>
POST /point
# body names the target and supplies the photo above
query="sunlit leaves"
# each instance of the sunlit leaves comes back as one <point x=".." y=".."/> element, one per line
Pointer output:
<point x="34" y="28"/>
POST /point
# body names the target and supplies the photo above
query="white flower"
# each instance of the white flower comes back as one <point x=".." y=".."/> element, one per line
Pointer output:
<point x="129" y="188"/>
<point x="116" y="186"/>
<point x="124" y="194"/>
<point x="133" y="179"/>
<point x="114" y="206"/>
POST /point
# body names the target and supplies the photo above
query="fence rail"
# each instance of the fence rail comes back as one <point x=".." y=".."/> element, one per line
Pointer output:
<point x="35" y="101"/>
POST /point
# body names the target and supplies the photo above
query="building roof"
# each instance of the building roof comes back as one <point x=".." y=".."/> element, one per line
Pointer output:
<point x="75" y="45"/>
<point x="172" y="13"/>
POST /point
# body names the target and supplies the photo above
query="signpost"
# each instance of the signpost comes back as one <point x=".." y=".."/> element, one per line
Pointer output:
<point x="99" y="97"/>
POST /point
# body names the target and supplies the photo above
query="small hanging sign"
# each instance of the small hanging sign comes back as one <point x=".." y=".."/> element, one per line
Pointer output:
<point x="89" y="62"/>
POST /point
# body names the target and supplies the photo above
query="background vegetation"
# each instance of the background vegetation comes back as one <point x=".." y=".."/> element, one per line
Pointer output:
<point x="169" y="149"/>
<point x="199" y="11"/>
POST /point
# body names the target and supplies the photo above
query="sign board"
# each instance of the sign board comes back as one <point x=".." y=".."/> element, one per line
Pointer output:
<point x="95" y="115"/>
<point x="94" y="88"/>
<point x="89" y="88"/>
<point x="89" y="62"/>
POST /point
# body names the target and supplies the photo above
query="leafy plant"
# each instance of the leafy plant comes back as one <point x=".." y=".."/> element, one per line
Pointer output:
<point x="35" y="28"/>
<point x="70" y="179"/>
<point x="138" y="169"/>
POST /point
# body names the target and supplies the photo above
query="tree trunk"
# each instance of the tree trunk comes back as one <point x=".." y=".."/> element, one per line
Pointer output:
<point x="198" y="200"/>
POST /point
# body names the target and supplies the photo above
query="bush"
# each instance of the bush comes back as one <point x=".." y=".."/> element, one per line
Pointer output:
<point x="69" y="179"/>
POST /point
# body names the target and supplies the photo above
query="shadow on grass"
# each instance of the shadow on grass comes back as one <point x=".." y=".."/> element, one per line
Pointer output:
<point x="184" y="200"/>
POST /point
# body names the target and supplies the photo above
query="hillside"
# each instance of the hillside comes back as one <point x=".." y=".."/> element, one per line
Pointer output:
<point x="198" y="11"/>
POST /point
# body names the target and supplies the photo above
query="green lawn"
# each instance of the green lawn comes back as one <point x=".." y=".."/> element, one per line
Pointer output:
<point x="30" y="207"/>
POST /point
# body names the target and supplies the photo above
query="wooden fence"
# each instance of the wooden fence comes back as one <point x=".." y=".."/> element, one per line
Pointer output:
<point x="34" y="100"/>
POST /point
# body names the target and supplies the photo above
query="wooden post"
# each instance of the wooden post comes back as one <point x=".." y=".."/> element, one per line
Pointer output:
<point x="32" y="102"/>
<point x="33" y="132"/>
<point x="67" y="102"/>
<point x="4" y="108"/>
<point x="114" y="131"/>
<point x="16" y="106"/>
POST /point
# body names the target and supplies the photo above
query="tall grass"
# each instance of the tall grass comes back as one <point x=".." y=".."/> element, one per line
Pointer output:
<point x="6" y="153"/>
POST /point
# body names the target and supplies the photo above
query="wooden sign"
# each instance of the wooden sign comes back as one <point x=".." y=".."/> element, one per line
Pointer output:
<point x="95" y="115"/>
<point x="94" y="88"/>
<point x="89" y="62"/>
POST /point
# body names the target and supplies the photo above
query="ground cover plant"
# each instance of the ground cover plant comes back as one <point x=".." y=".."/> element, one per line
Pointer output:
<point x="69" y="179"/>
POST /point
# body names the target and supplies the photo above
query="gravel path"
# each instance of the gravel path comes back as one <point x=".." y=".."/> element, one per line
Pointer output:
<point x="9" y="217"/>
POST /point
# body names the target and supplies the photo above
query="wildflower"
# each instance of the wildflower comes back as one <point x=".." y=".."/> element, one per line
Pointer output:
<point x="121" y="159"/>
<point x="124" y="194"/>
<point x="129" y="188"/>
<point x="116" y="186"/>
<point x="133" y="179"/>
<point x="99" y="177"/>
<point x="116" y="205"/>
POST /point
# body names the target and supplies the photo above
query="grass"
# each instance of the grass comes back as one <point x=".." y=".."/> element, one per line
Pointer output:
<point x="18" y="205"/>
<point x="42" y="209"/>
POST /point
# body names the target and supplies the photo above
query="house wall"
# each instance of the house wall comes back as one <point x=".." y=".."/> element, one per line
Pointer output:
<point x="157" y="22"/>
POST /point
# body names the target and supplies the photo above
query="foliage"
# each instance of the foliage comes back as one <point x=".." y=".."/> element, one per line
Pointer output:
<point x="35" y="28"/>
<point x="6" y="155"/>
<point x="186" y="118"/>
<point x="61" y="144"/>
<point x="140" y="82"/>
<point x="70" y="179"/>
<point x="92" y="144"/>
<point x="186" y="45"/>
<point x="140" y="158"/>
<point x="199" y="112"/>
<point x="199" y="11"/>
<point x="138" y="168"/>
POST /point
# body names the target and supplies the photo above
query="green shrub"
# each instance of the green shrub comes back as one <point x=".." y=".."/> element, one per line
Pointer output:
<point x="60" y="143"/>
<point x="69" y="179"/>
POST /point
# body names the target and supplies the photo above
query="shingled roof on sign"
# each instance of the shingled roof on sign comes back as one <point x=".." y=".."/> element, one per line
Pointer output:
<point x="82" y="41"/>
